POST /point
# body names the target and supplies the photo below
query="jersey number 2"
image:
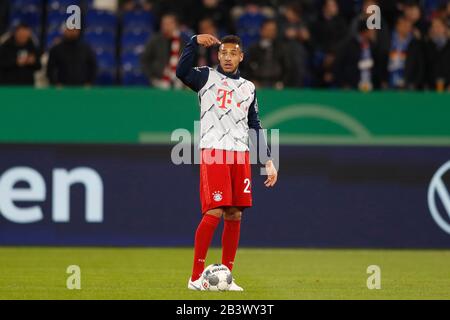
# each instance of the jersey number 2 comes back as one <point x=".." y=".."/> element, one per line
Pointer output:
<point x="247" y="185"/>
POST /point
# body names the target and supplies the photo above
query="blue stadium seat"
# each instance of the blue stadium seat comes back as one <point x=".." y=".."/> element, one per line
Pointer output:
<point x="103" y="40"/>
<point x="107" y="68"/>
<point x="105" y="59"/>
<point x="55" y="20"/>
<point x="134" y="41"/>
<point x="138" y="20"/>
<point x="52" y="38"/>
<point x="26" y="5"/>
<point x="61" y="5"/>
<point x="32" y="18"/>
<point x="130" y="61"/>
<point x="248" y="26"/>
<point x="131" y="70"/>
<point x="100" y="19"/>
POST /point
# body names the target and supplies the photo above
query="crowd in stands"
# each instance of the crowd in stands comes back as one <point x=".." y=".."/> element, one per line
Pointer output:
<point x="287" y="43"/>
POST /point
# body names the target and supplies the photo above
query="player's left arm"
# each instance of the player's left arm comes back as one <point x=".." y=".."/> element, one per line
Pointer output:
<point x="261" y="143"/>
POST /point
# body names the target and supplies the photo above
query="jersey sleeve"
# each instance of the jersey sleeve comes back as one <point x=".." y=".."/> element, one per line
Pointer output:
<point x="255" y="123"/>
<point x="193" y="77"/>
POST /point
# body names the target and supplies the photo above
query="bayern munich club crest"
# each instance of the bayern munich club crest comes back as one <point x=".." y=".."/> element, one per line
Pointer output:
<point x="217" y="196"/>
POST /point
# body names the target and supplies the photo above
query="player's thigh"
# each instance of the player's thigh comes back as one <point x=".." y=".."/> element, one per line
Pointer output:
<point x="215" y="186"/>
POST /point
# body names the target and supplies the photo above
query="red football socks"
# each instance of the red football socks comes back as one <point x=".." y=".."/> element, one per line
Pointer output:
<point x="203" y="237"/>
<point x="230" y="241"/>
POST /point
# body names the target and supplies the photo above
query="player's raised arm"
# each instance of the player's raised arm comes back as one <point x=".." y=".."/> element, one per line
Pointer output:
<point x="255" y="124"/>
<point x="194" y="77"/>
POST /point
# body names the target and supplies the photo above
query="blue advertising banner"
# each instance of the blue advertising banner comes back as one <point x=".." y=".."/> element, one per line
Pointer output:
<point x="133" y="195"/>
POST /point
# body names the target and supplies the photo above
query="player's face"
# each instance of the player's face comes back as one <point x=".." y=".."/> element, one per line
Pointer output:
<point x="230" y="55"/>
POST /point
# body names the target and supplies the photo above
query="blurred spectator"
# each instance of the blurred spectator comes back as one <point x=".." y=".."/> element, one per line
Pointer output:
<point x="447" y="14"/>
<point x="185" y="10"/>
<point x="405" y="65"/>
<point x="311" y="32"/>
<point x="207" y="56"/>
<point x="296" y="36"/>
<point x="329" y="30"/>
<point x="19" y="58"/>
<point x="380" y="38"/>
<point x="127" y="5"/>
<point x="411" y="11"/>
<point x="130" y="5"/>
<point x="71" y="62"/>
<point x="292" y="24"/>
<point x="390" y="10"/>
<point x="4" y="15"/>
<point x="161" y="54"/>
<point x="358" y="64"/>
<point x="437" y="55"/>
<point x="268" y="62"/>
<point x="430" y="6"/>
<point x="218" y="11"/>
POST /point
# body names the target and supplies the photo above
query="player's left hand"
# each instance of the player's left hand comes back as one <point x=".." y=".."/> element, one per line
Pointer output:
<point x="272" y="174"/>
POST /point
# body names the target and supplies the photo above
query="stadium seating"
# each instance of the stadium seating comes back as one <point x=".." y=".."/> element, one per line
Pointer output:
<point x="131" y="72"/>
<point x="134" y="41"/>
<point x="101" y="40"/>
<point x="106" y="68"/>
<point x="26" y="5"/>
<point x="138" y="20"/>
<point x="137" y="28"/>
<point x="62" y="5"/>
<point x="101" y="21"/>
<point x="100" y="34"/>
<point x="29" y="12"/>
<point x="248" y="26"/>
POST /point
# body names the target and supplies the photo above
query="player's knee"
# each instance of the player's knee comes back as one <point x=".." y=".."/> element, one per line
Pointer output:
<point x="233" y="213"/>
<point x="217" y="212"/>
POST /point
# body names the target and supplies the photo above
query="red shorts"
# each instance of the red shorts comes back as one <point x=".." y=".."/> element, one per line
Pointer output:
<point x="225" y="179"/>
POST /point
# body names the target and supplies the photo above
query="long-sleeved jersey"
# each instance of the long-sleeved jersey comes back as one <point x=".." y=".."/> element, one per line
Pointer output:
<point x="228" y="103"/>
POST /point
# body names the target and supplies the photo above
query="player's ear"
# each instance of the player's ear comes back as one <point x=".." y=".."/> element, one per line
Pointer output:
<point x="242" y="57"/>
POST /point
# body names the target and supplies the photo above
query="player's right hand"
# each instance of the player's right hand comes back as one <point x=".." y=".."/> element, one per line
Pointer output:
<point x="207" y="40"/>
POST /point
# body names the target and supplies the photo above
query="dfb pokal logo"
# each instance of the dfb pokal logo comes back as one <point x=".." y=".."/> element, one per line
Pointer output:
<point x="439" y="191"/>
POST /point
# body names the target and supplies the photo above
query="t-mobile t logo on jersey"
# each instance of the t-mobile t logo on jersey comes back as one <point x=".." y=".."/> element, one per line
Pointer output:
<point x="33" y="189"/>
<point x="223" y="98"/>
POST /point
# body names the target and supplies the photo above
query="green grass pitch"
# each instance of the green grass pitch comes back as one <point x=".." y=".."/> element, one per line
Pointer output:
<point x="162" y="273"/>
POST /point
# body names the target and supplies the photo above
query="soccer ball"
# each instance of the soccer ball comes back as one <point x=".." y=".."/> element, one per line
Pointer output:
<point x="216" y="277"/>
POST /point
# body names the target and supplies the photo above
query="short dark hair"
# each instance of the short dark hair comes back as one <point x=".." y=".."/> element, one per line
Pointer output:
<point x="411" y="3"/>
<point x="21" y="25"/>
<point x="401" y="18"/>
<point x="232" y="39"/>
<point x="267" y="21"/>
<point x="172" y="14"/>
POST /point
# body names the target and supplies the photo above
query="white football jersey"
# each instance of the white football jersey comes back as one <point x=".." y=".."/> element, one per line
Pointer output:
<point x="224" y="104"/>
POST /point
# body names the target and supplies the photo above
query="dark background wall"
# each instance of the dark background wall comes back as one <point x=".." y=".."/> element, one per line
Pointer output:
<point x="327" y="196"/>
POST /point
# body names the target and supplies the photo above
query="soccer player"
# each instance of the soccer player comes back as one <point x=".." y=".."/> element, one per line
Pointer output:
<point x="228" y="110"/>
